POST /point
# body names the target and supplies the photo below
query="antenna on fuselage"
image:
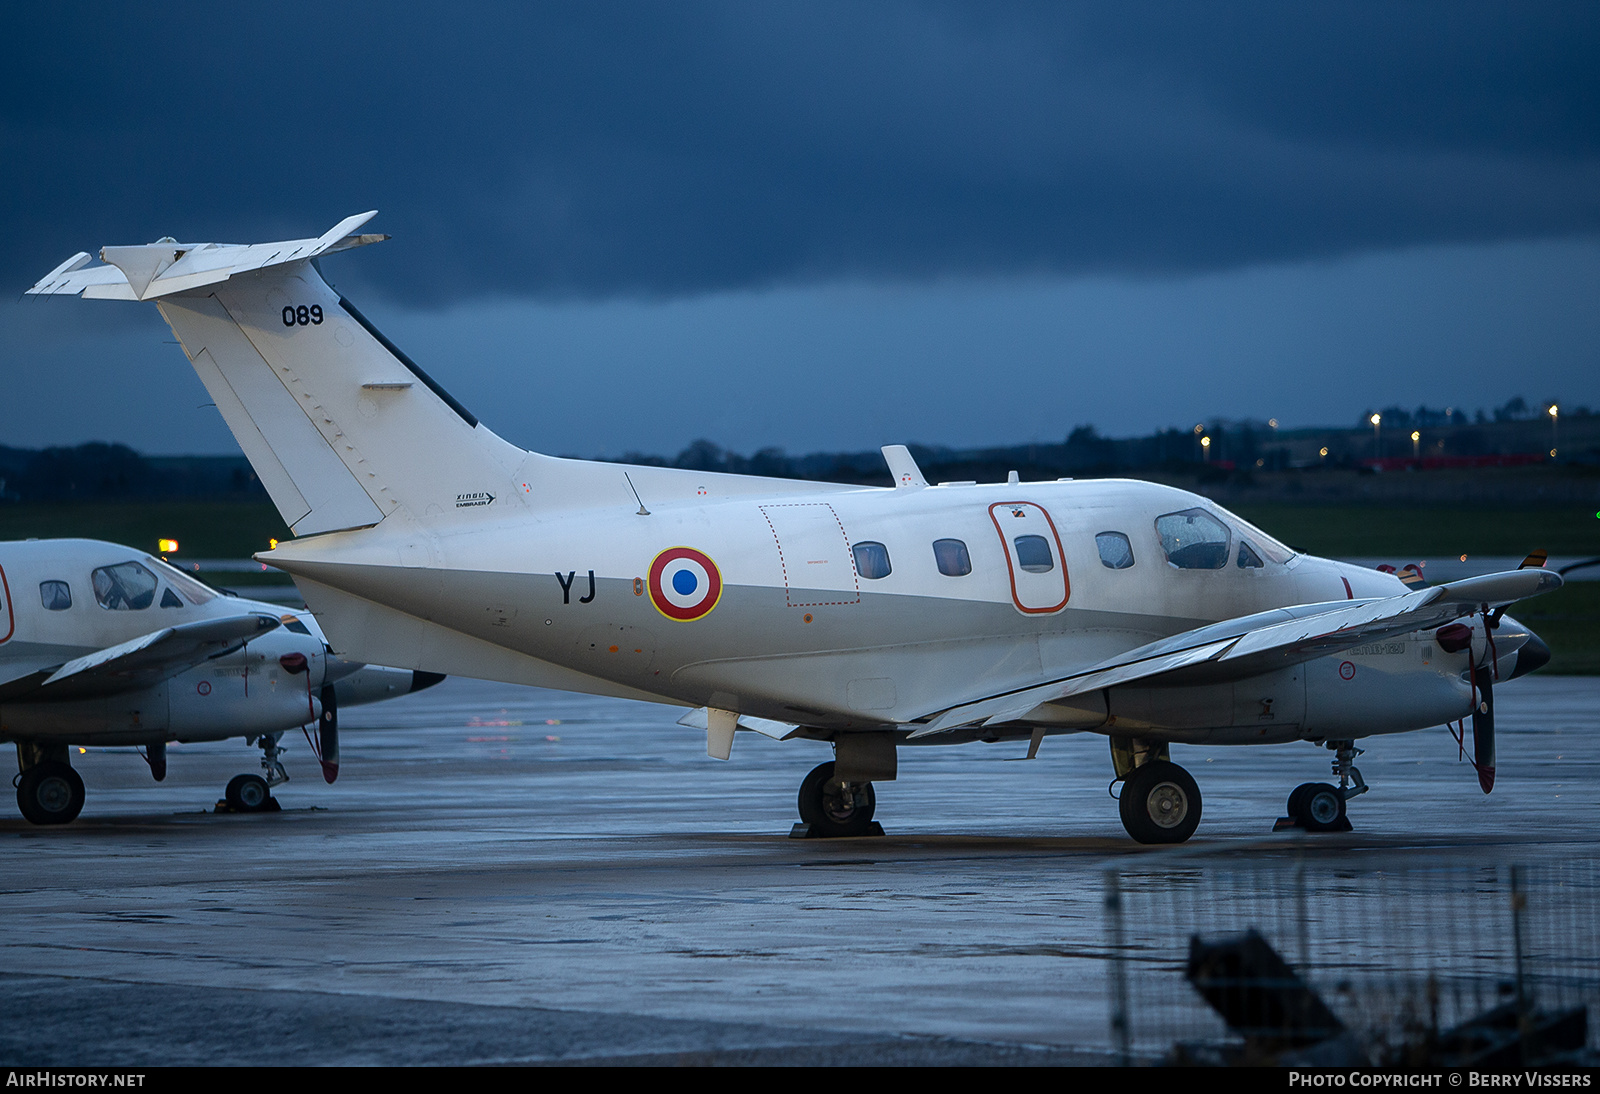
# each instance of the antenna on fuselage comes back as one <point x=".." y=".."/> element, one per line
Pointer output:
<point x="643" y="512"/>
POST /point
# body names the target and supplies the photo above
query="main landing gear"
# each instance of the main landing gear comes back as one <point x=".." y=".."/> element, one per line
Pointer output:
<point x="1320" y="807"/>
<point x="253" y="793"/>
<point x="48" y="790"/>
<point x="1160" y="802"/>
<point x="830" y="807"/>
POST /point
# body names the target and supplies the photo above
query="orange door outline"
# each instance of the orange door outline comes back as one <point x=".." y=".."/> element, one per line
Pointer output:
<point x="1061" y="556"/>
<point x="11" y="615"/>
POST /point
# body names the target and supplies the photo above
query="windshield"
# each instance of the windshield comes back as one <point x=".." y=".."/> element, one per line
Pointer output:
<point x="193" y="589"/>
<point x="1271" y="548"/>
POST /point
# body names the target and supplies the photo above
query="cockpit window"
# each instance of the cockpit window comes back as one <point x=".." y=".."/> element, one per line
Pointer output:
<point x="124" y="587"/>
<point x="1033" y="554"/>
<point x="1116" y="553"/>
<point x="193" y="590"/>
<point x="169" y="599"/>
<point x="290" y="623"/>
<point x="952" y="557"/>
<point x="1193" y="540"/>
<point x="1248" y="559"/>
<point x="56" y="596"/>
<point x="872" y="559"/>
<point x="1265" y="544"/>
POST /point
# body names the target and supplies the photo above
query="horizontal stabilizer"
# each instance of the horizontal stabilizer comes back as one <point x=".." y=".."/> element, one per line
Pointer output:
<point x="150" y="658"/>
<point x="1236" y="648"/>
<point x="159" y="269"/>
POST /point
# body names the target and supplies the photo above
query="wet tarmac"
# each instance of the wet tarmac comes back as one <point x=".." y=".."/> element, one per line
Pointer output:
<point x="504" y="874"/>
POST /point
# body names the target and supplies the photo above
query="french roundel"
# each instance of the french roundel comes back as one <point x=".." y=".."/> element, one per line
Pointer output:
<point x="684" y="583"/>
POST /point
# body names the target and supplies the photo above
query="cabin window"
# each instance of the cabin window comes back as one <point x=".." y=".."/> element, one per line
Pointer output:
<point x="124" y="587"/>
<point x="952" y="557"/>
<point x="1033" y="554"/>
<point x="1193" y="540"/>
<point x="872" y="560"/>
<point x="169" y="599"/>
<point x="56" y="596"/>
<point x="1248" y="559"/>
<point x="1116" y="553"/>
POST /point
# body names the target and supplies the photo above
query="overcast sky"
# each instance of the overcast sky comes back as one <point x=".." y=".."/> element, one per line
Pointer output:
<point x="830" y="226"/>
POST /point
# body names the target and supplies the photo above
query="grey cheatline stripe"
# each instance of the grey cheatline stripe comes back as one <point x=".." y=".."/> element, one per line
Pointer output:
<point x="416" y="370"/>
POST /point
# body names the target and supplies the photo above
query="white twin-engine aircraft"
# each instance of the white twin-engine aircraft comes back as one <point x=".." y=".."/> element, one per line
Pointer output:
<point x="871" y="618"/>
<point x="105" y="645"/>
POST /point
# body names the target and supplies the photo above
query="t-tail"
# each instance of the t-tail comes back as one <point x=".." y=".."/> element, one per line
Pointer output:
<point x="342" y="428"/>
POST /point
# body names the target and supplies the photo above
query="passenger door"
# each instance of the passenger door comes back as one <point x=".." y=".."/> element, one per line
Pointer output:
<point x="1037" y="564"/>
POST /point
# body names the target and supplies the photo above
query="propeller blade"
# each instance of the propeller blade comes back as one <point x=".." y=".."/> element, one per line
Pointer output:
<point x="1483" y="730"/>
<point x="328" y="733"/>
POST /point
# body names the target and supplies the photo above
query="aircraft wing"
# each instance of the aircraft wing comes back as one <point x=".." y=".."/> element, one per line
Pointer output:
<point x="142" y="661"/>
<point x="1252" y="644"/>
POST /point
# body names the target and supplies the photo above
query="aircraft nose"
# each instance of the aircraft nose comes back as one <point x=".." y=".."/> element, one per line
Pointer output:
<point x="1534" y="654"/>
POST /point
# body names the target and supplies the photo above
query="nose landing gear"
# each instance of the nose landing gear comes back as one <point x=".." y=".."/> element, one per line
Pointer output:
<point x="830" y="807"/>
<point x="1320" y="807"/>
<point x="253" y="793"/>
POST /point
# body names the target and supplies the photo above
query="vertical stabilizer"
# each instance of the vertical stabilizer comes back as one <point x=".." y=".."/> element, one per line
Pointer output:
<point x="342" y="428"/>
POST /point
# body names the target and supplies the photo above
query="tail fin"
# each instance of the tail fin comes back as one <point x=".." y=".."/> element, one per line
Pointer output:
<point x="342" y="428"/>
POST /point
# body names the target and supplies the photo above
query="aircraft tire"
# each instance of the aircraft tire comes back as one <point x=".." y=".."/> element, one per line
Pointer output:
<point x="50" y="793"/>
<point x="1321" y="808"/>
<point x="1160" y="803"/>
<point x="1297" y="799"/>
<point x="825" y="806"/>
<point x="248" y="794"/>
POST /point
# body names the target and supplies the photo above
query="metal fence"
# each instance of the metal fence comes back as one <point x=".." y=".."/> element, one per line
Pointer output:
<point x="1397" y="955"/>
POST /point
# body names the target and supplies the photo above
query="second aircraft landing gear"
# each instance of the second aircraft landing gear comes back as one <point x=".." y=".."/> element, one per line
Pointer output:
<point x="830" y="807"/>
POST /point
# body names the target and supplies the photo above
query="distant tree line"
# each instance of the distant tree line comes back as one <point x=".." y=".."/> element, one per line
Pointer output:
<point x="100" y="472"/>
<point x="1211" y="451"/>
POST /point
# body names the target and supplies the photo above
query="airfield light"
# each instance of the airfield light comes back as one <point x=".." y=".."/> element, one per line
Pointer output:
<point x="1555" y="441"/>
<point x="272" y="545"/>
<point x="1205" y="442"/>
<point x="167" y="546"/>
<point x="1377" y="447"/>
<point x="1273" y="422"/>
<point x="1375" y="419"/>
<point x="1323" y="452"/>
<point x="1416" y="443"/>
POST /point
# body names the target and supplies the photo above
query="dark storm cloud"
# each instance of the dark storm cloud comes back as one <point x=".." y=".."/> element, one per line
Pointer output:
<point x="671" y="148"/>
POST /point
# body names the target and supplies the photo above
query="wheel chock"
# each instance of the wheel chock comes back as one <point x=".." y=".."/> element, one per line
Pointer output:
<point x="803" y="831"/>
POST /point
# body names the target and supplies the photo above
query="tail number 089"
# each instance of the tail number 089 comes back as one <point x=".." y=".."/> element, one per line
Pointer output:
<point x="302" y="316"/>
